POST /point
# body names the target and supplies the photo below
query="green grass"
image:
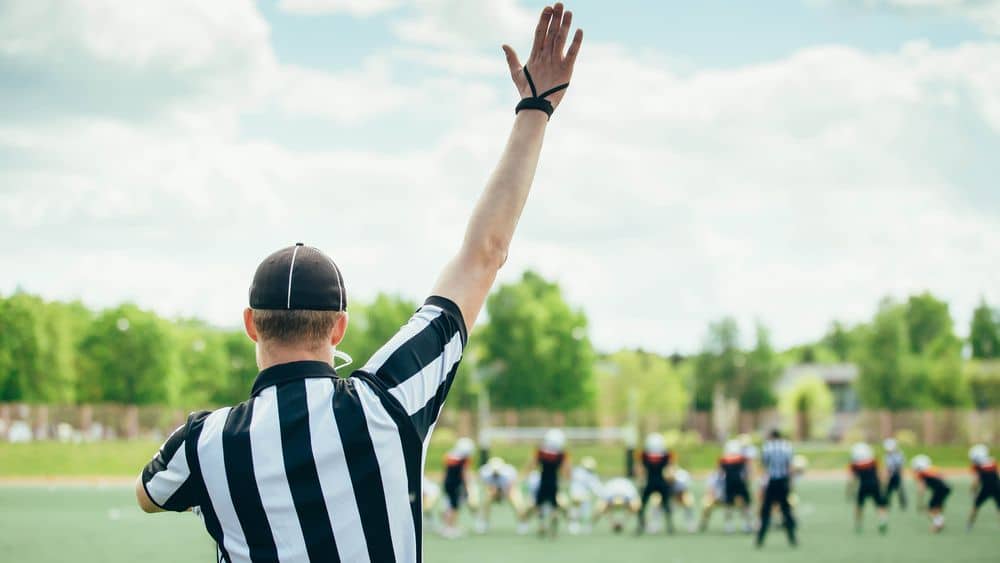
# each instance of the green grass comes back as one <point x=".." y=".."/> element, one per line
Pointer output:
<point x="126" y="458"/>
<point x="90" y="525"/>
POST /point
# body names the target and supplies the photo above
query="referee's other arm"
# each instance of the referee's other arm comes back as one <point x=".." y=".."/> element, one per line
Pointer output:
<point x="467" y="279"/>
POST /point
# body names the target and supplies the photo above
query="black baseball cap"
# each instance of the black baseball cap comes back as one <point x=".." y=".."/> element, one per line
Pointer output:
<point x="298" y="277"/>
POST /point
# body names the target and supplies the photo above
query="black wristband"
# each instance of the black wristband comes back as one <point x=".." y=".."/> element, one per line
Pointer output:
<point x="540" y="104"/>
<point x="537" y="101"/>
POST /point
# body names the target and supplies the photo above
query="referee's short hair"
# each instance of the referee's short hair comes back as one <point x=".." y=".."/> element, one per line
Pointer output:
<point x="297" y="326"/>
<point x="775" y="434"/>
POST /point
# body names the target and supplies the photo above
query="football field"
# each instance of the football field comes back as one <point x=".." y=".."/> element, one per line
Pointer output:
<point x="91" y="524"/>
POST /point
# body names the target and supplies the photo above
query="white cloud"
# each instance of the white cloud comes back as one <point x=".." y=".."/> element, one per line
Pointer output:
<point x="795" y="191"/>
<point x="360" y="8"/>
<point x="459" y="23"/>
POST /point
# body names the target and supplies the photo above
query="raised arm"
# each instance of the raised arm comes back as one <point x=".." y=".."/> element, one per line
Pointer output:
<point x="467" y="278"/>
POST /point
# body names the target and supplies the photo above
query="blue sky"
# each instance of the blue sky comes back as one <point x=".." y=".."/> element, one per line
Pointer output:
<point x="787" y="162"/>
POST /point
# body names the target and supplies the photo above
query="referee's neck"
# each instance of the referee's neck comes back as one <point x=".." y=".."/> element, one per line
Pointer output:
<point x="272" y="355"/>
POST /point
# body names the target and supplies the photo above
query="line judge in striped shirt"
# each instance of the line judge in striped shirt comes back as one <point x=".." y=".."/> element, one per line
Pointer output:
<point x="316" y="467"/>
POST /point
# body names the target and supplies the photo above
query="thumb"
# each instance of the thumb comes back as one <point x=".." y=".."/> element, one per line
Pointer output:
<point x="512" y="62"/>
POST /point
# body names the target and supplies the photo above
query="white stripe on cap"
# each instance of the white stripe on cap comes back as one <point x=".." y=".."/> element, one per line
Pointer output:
<point x="291" y="268"/>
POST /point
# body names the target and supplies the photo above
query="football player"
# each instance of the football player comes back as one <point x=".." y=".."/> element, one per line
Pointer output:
<point x="456" y="465"/>
<point x="655" y="459"/>
<point x="895" y="462"/>
<point x="930" y="478"/>
<point x="552" y="462"/>
<point x="715" y="495"/>
<point x="680" y="488"/>
<point x="619" y="499"/>
<point x="864" y="481"/>
<point x="431" y="493"/>
<point x="986" y="484"/>
<point x="584" y="487"/>
<point x="733" y="465"/>
<point x="498" y="479"/>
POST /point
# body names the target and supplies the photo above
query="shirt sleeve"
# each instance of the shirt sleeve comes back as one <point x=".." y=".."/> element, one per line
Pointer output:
<point x="167" y="478"/>
<point x="418" y="365"/>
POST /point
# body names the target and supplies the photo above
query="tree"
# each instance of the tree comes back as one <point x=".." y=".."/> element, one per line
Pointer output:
<point x="886" y="379"/>
<point x="22" y="341"/>
<point x="542" y="344"/>
<point x="203" y="365"/>
<point x="807" y="406"/>
<point x="839" y="340"/>
<point x="126" y="356"/>
<point x="984" y="332"/>
<point x="372" y="325"/>
<point x="762" y="371"/>
<point x="719" y="363"/>
<point x="927" y="320"/>
<point x="650" y="380"/>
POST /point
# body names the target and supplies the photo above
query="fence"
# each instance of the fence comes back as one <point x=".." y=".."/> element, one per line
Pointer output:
<point x="23" y="422"/>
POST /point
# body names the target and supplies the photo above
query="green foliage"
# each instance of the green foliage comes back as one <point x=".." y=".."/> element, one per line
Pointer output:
<point x="807" y="407"/>
<point x="841" y="340"/>
<point x="746" y="376"/>
<point x="126" y="357"/>
<point x="886" y="379"/>
<point x="542" y="344"/>
<point x="984" y="382"/>
<point x="911" y="358"/>
<point x="984" y="332"/>
<point x="762" y="370"/>
<point x="648" y="382"/>
<point x="372" y="325"/>
<point x="22" y="343"/>
<point x="927" y="321"/>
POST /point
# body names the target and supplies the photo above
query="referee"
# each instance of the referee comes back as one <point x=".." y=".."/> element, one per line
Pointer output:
<point x="776" y="457"/>
<point x="318" y="467"/>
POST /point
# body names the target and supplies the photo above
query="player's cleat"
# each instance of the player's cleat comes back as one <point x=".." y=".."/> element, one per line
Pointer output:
<point x="523" y="528"/>
<point x="481" y="526"/>
<point x="883" y="527"/>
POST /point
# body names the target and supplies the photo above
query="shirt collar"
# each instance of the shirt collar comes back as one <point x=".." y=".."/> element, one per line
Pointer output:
<point x="291" y="371"/>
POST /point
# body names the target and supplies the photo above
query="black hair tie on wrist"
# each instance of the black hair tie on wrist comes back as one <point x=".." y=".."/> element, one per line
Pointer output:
<point x="538" y="101"/>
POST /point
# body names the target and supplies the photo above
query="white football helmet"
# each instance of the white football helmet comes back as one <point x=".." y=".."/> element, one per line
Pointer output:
<point x="890" y="444"/>
<point x="732" y="447"/>
<point x="921" y="463"/>
<point x="554" y="440"/>
<point x="861" y="452"/>
<point x="655" y="444"/>
<point x="682" y="476"/>
<point x="464" y="447"/>
<point x="979" y="453"/>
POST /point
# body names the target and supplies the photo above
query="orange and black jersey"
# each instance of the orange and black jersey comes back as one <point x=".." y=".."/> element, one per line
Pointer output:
<point x="934" y="480"/>
<point x="987" y="473"/>
<point x="734" y="467"/>
<point x="654" y="464"/>
<point x="550" y="463"/>
<point x="865" y="471"/>
<point x="454" y="469"/>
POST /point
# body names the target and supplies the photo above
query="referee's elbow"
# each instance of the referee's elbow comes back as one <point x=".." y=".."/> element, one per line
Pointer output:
<point x="142" y="498"/>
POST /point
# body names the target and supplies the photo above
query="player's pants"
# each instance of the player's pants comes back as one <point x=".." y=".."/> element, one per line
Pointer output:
<point x="653" y="487"/>
<point x="776" y="492"/>
<point x="987" y="493"/>
<point x="895" y="485"/>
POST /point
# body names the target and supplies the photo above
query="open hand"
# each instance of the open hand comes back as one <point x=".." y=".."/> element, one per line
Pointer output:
<point x="548" y="64"/>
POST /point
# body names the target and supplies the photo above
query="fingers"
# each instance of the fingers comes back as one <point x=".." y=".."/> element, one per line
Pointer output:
<point x="574" y="47"/>
<point x="540" y="30"/>
<point x="549" y="48"/>
<point x="512" y="62"/>
<point x="560" y="44"/>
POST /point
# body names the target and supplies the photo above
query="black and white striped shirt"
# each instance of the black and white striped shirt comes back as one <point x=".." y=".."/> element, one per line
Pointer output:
<point x="314" y="467"/>
<point x="776" y="456"/>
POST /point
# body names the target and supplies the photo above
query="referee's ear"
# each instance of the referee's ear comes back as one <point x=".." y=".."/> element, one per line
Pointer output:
<point x="248" y="324"/>
<point x="339" y="329"/>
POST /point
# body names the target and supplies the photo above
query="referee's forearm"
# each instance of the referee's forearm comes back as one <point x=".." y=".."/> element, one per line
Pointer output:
<point x="495" y="217"/>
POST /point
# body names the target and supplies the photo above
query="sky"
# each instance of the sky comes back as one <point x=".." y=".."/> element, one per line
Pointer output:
<point x="788" y="162"/>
